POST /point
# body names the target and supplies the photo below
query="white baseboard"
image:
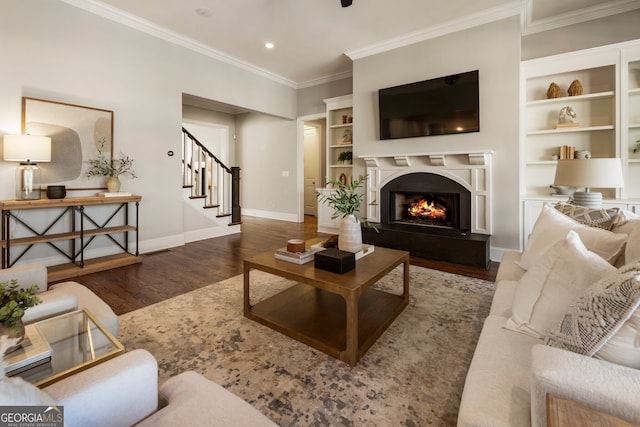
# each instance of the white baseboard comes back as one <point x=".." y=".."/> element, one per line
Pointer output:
<point x="209" y="233"/>
<point x="496" y="254"/>
<point x="161" y="243"/>
<point x="270" y="215"/>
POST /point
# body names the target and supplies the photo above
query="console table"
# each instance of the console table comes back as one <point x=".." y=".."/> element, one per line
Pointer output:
<point x="73" y="220"/>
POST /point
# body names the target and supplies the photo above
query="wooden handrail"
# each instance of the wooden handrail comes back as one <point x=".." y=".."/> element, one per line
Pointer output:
<point x="206" y="150"/>
<point x="217" y="185"/>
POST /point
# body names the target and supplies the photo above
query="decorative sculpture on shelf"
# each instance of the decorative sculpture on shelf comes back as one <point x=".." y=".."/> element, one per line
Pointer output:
<point x="575" y="89"/>
<point x="554" y="91"/>
<point x="567" y="115"/>
<point x="346" y="136"/>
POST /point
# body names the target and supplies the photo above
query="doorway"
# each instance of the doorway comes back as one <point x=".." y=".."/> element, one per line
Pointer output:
<point x="312" y="145"/>
<point x="311" y="162"/>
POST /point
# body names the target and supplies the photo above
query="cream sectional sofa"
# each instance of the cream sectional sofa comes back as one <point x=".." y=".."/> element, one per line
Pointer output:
<point x="521" y="358"/>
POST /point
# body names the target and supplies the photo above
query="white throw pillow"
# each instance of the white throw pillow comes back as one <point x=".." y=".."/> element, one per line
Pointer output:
<point x="552" y="226"/>
<point x="558" y="278"/>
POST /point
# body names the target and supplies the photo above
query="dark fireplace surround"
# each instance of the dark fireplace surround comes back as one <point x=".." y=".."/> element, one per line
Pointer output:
<point x="445" y="238"/>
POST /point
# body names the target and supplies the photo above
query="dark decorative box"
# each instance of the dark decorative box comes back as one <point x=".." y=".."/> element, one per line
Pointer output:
<point x="335" y="260"/>
<point x="56" y="192"/>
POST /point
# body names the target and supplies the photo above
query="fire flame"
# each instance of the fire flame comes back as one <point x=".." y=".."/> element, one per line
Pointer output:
<point x="427" y="209"/>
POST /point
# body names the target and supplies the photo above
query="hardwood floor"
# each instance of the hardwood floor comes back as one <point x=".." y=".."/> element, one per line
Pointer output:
<point x="172" y="272"/>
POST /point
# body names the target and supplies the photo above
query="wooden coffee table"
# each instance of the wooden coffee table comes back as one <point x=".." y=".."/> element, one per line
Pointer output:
<point x="338" y="314"/>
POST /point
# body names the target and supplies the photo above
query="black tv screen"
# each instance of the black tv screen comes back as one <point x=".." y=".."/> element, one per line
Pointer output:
<point x="441" y="106"/>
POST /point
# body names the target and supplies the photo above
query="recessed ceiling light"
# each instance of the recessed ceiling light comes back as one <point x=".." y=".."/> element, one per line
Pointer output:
<point x="203" y="11"/>
<point x="269" y="45"/>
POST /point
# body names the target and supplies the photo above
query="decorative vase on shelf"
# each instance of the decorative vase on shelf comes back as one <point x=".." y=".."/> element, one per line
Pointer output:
<point x="113" y="184"/>
<point x="16" y="331"/>
<point x="350" y="234"/>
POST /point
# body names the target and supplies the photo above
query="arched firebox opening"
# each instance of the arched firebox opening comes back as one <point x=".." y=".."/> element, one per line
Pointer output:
<point x="427" y="200"/>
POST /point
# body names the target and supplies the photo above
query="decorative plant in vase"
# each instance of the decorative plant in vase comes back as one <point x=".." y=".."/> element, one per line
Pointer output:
<point x="345" y="202"/>
<point x="101" y="166"/>
<point x="345" y="157"/>
<point x="14" y="301"/>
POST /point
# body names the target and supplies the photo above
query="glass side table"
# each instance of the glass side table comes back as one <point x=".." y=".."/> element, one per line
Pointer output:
<point x="77" y="341"/>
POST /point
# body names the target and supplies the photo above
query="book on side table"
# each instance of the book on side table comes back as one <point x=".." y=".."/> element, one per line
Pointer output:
<point x="34" y="350"/>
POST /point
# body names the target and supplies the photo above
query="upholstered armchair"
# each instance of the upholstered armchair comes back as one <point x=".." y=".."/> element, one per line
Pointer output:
<point x="60" y="297"/>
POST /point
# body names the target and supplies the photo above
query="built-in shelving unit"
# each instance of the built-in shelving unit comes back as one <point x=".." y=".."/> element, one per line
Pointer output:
<point x="630" y="87"/>
<point x="596" y="115"/>
<point x="339" y="140"/>
<point x="339" y="137"/>
<point x="608" y="113"/>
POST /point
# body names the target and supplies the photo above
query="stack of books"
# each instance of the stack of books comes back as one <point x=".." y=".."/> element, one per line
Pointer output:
<point x="567" y="152"/>
<point x="34" y="350"/>
<point x="296" y="257"/>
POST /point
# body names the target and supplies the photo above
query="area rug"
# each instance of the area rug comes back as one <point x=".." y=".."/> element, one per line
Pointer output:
<point x="412" y="376"/>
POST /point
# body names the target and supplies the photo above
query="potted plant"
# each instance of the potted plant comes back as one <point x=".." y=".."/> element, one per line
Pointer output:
<point x="101" y="166"/>
<point x="345" y="202"/>
<point x="14" y="301"/>
<point x="345" y="157"/>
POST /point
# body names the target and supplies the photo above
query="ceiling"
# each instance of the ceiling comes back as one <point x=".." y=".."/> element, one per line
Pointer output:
<point x="316" y="40"/>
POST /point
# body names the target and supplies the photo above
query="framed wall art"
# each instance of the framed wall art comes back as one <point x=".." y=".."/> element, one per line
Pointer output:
<point x="76" y="132"/>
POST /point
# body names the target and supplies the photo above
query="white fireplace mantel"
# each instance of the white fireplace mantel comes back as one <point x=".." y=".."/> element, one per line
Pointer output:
<point x="471" y="169"/>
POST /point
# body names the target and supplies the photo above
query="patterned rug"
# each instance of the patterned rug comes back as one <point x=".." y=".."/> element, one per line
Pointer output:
<point x="412" y="376"/>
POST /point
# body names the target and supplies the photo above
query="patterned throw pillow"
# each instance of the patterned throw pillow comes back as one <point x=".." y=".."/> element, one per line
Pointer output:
<point x="599" y="313"/>
<point x="601" y="218"/>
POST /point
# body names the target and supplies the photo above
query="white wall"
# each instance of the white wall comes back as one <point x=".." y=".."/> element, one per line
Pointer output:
<point x="311" y="99"/>
<point x="494" y="50"/>
<point x="267" y="154"/>
<point x="58" y="52"/>
<point x="584" y="35"/>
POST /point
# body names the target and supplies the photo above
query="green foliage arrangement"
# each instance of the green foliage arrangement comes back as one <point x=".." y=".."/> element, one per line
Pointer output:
<point x="14" y="301"/>
<point x="345" y="156"/>
<point x="345" y="200"/>
<point x="101" y="166"/>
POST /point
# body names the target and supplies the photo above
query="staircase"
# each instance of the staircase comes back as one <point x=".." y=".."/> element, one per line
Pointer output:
<point x="210" y="180"/>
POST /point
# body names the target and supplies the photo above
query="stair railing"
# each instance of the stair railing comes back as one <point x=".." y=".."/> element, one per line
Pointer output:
<point x="210" y="179"/>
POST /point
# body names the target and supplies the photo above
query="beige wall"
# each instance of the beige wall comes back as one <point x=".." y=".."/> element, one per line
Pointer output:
<point x="59" y="52"/>
<point x="494" y="50"/>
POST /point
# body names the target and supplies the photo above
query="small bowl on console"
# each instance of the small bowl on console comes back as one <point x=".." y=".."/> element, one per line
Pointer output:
<point x="296" y="246"/>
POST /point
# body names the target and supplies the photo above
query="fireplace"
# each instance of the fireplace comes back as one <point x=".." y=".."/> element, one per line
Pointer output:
<point x="432" y="212"/>
<point x="425" y="199"/>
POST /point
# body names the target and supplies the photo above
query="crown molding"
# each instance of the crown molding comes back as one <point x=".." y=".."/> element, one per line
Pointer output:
<point x="602" y="10"/>
<point x="326" y="79"/>
<point x="99" y="8"/>
<point x="464" y="22"/>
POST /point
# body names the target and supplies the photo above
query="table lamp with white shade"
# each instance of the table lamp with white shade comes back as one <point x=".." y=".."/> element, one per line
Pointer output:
<point x="28" y="150"/>
<point x="589" y="173"/>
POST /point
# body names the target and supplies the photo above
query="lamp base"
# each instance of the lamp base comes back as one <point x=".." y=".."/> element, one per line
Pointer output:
<point x="28" y="182"/>
<point x="588" y="199"/>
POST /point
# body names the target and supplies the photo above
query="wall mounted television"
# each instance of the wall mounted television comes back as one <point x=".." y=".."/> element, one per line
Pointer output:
<point x="441" y="106"/>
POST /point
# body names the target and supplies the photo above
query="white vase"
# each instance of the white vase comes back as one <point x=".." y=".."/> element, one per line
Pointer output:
<point x="350" y="234"/>
<point x="113" y="184"/>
